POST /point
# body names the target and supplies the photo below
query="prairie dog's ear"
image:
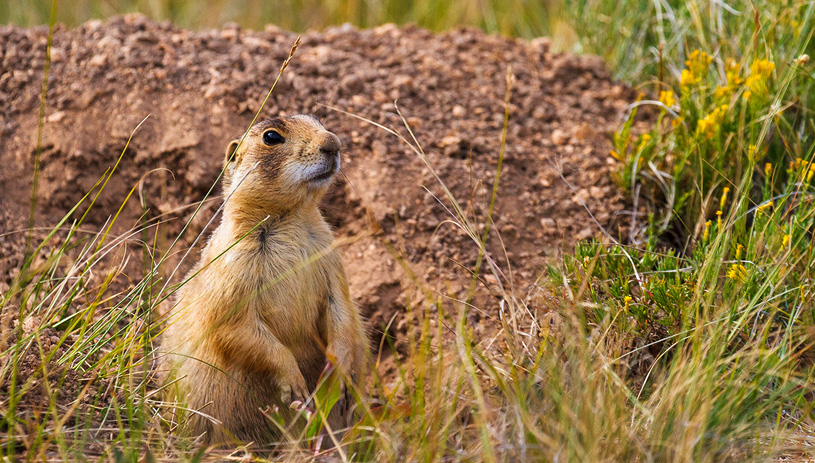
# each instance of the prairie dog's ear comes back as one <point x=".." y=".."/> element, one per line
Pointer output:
<point x="233" y="146"/>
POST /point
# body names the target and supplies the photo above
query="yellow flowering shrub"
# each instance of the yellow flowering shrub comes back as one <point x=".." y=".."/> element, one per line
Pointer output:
<point x="698" y="62"/>
<point x="667" y="98"/>
<point x="707" y="126"/>
<point x="687" y="79"/>
<point x="760" y="72"/>
<point x="805" y="168"/>
<point x="697" y="66"/>
<point x="737" y="272"/>
<point x="733" y="80"/>
<point x="731" y="72"/>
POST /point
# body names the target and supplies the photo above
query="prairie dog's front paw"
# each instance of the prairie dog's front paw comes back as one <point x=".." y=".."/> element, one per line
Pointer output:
<point x="294" y="389"/>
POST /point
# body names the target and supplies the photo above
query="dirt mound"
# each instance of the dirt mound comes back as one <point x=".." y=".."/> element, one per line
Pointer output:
<point x="201" y="89"/>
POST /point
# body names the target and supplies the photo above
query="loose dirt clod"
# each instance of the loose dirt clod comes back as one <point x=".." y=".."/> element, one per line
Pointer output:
<point x="201" y="89"/>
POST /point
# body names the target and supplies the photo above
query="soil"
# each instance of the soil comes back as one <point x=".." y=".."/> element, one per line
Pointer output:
<point x="202" y="88"/>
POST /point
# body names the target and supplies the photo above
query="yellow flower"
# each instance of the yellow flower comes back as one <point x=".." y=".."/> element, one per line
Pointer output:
<point x="733" y="80"/>
<point x="708" y="125"/>
<point x="737" y="272"/>
<point x="722" y="91"/>
<point x="644" y="139"/>
<point x="762" y="68"/>
<point x="667" y="98"/>
<point x="797" y="163"/>
<point x="698" y="62"/>
<point x="751" y="152"/>
<point x="705" y="127"/>
<point x="725" y="191"/>
<point x="785" y="240"/>
<point x="615" y="155"/>
<point x="707" y="231"/>
<point x="719" y="219"/>
<point x="686" y="78"/>
<point x="627" y="300"/>
<point x="807" y="168"/>
<point x="768" y="169"/>
<point x="760" y="72"/>
<point x="764" y="206"/>
<point x="731" y="72"/>
<point x="739" y="249"/>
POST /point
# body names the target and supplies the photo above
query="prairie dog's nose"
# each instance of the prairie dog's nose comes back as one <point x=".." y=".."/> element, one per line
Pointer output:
<point x="331" y="145"/>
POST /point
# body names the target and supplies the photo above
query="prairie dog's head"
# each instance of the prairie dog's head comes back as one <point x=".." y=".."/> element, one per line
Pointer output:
<point x="282" y="161"/>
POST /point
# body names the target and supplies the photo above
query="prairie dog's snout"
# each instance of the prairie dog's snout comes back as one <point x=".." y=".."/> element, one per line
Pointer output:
<point x="330" y="148"/>
<point x="331" y="145"/>
<point x="319" y="169"/>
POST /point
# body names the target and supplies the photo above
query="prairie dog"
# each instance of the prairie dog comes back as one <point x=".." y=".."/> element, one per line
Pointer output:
<point x="270" y="306"/>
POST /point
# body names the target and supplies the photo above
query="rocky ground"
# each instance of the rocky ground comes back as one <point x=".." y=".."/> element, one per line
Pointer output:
<point x="201" y="89"/>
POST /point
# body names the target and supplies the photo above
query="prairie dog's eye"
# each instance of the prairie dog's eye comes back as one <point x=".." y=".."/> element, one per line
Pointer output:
<point x="272" y="138"/>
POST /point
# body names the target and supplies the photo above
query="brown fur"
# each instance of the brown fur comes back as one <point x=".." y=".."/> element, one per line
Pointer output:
<point x="254" y="328"/>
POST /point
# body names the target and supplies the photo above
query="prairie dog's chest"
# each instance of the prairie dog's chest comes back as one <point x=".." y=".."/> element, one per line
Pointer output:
<point x="286" y="278"/>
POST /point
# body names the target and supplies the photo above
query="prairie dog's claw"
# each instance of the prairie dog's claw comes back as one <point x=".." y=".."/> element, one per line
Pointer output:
<point x="292" y="391"/>
<point x="285" y="394"/>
